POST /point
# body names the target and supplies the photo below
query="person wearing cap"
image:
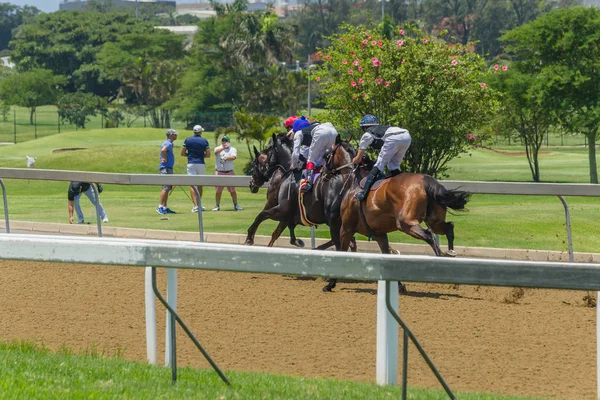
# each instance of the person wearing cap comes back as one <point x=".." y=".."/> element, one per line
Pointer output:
<point x="318" y="137"/>
<point x="393" y="142"/>
<point x="225" y="154"/>
<point x="167" y="161"/>
<point x="196" y="149"/>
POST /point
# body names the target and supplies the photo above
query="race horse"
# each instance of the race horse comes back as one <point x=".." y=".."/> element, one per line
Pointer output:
<point x="401" y="202"/>
<point x="273" y="165"/>
<point x="321" y="205"/>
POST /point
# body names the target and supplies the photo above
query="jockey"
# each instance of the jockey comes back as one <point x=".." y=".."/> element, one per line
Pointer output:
<point x="393" y="142"/>
<point x="318" y="138"/>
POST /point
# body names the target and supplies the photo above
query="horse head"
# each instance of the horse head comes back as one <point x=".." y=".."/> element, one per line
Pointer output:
<point x="277" y="155"/>
<point x="340" y="157"/>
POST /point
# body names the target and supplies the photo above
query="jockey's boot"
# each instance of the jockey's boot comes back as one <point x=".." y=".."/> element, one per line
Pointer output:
<point x="310" y="174"/>
<point x="368" y="183"/>
<point x="394" y="172"/>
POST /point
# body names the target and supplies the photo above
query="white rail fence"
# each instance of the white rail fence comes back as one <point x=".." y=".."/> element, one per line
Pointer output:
<point x="375" y="267"/>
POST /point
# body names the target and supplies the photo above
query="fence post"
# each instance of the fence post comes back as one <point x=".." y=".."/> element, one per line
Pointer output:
<point x="386" y="367"/>
<point x="35" y="123"/>
<point x="150" y="318"/>
<point x="15" y="125"/>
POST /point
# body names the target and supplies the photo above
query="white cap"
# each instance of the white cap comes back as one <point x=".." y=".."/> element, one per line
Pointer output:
<point x="198" y="128"/>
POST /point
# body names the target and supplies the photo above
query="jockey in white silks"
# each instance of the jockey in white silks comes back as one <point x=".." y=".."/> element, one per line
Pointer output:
<point x="318" y="138"/>
<point x="393" y="142"/>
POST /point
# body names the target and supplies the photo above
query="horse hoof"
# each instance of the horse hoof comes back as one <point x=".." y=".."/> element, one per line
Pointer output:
<point x="249" y="242"/>
<point x="299" y="243"/>
<point x="327" y="289"/>
<point x="394" y="251"/>
<point x="450" y="253"/>
<point x="402" y="289"/>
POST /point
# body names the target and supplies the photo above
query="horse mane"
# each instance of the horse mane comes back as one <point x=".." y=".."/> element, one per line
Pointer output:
<point x="348" y="147"/>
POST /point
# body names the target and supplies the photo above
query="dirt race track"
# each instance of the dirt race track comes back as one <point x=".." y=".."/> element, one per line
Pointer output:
<point x="544" y="346"/>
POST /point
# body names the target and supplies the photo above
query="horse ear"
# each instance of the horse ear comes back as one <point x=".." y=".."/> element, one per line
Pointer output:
<point x="256" y="152"/>
<point x="338" y="139"/>
<point x="274" y="138"/>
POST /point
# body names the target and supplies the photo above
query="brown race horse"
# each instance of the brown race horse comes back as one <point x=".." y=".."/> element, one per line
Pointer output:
<point x="402" y="203"/>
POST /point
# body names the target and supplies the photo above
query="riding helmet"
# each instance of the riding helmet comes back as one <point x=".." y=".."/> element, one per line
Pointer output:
<point x="369" y="120"/>
<point x="300" y="123"/>
<point x="289" y="123"/>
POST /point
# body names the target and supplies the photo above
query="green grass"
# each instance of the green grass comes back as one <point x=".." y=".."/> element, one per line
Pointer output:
<point x="30" y="371"/>
<point x="501" y="221"/>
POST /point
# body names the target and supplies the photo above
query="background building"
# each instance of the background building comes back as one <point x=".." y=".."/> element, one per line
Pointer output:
<point x="80" y="4"/>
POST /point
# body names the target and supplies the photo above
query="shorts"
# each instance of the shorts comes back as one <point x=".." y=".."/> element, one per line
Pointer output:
<point x="230" y="189"/>
<point x="196" y="169"/>
<point x="166" y="171"/>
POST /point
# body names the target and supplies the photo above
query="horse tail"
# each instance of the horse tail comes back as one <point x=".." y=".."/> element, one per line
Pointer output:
<point x="454" y="199"/>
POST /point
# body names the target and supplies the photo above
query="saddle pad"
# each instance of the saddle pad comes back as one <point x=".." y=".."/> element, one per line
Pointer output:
<point x="375" y="185"/>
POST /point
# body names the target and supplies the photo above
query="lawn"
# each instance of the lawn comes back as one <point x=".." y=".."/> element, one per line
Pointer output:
<point x="502" y="221"/>
<point x="30" y="371"/>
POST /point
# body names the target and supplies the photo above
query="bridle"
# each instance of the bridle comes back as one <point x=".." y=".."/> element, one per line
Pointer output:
<point x="263" y="173"/>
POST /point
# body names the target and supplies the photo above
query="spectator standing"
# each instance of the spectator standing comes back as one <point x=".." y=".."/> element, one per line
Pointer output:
<point x="225" y="155"/>
<point x="74" y="194"/>
<point x="167" y="161"/>
<point x="196" y="149"/>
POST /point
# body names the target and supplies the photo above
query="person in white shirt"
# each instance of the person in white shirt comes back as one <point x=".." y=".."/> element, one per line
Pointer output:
<point x="224" y="157"/>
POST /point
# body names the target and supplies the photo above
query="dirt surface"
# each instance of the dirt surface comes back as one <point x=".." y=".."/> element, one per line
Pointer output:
<point x="543" y="346"/>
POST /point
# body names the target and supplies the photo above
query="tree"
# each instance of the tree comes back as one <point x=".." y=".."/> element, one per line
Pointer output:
<point x="31" y="89"/>
<point x="149" y="67"/>
<point x="524" y="111"/>
<point x="11" y="17"/>
<point x="252" y="127"/>
<point x="230" y="54"/>
<point x="67" y="44"/>
<point x="562" y="48"/>
<point x="433" y="89"/>
<point x="78" y="107"/>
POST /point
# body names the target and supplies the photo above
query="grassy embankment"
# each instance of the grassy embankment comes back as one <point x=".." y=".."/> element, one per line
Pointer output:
<point x="30" y="371"/>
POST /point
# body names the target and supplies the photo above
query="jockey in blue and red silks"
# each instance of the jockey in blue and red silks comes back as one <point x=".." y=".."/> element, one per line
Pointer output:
<point x="318" y="138"/>
<point x="393" y="142"/>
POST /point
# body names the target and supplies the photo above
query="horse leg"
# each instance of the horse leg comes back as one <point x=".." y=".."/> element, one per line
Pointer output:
<point x="353" y="246"/>
<point x="449" y="229"/>
<point x="277" y="232"/>
<point x="346" y="236"/>
<point x="384" y="245"/>
<point x="436" y="221"/>
<point x="293" y="240"/>
<point x="325" y="245"/>
<point x="262" y="216"/>
<point x="414" y="229"/>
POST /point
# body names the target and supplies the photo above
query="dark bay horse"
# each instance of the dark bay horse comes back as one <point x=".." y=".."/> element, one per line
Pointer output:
<point x="322" y="204"/>
<point x="273" y="165"/>
<point x="402" y="203"/>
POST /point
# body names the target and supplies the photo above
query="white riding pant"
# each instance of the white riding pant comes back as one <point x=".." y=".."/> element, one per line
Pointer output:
<point x="393" y="150"/>
<point x="323" y="138"/>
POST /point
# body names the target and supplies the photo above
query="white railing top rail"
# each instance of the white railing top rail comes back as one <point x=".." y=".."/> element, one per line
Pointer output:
<point x="523" y="188"/>
<point x="362" y="266"/>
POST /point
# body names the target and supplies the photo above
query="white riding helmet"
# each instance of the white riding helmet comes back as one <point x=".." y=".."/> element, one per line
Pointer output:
<point x="198" y="129"/>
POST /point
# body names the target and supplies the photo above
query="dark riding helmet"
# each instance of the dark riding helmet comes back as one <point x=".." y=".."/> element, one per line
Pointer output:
<point x="368" y="120"/>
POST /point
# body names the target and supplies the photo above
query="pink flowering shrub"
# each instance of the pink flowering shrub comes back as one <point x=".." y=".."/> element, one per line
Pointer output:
<point x="435" y="90"/>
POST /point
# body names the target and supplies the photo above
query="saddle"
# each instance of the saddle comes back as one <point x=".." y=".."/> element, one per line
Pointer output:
<point x="376" y="185"/>
<point x="303" y="217"/>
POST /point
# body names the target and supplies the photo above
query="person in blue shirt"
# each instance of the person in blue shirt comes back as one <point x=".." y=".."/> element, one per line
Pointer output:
<point x="167" y="161"/>
<point x="196" y="149"/>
